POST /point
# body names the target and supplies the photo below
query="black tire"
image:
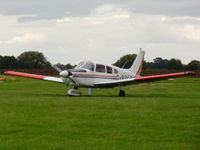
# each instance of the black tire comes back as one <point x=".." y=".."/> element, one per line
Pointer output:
<point x="122" y="93"/>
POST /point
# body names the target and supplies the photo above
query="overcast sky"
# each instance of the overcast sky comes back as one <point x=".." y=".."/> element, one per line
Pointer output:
<point x="69" y="31"/>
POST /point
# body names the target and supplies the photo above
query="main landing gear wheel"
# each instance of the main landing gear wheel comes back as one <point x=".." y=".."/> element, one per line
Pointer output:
<point x="122" y="93"/>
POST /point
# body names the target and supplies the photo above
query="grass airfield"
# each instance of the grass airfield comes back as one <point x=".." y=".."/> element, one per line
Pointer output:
<point x="37" y="115"/>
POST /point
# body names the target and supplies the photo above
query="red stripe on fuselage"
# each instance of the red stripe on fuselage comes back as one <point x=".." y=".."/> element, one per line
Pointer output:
<point x="94" y="76"/>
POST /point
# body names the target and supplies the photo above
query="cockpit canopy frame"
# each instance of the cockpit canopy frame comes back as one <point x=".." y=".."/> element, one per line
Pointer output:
<point x="96" y="67"/>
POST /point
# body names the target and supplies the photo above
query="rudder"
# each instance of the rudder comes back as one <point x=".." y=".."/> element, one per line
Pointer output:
<point x="136" y="67"/>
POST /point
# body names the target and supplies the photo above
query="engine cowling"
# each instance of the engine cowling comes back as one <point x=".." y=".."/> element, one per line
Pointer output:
<point x="65" y="74"/>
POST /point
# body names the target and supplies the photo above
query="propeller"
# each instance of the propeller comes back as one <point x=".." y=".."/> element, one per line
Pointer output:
<point x="57" y="68"/>
<point x="62" y="73"/>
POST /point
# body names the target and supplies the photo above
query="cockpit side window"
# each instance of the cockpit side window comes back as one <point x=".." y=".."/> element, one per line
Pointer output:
<point x="100" y="68"/>
<point x="115" y="71"/>
<point x="89" y="66"/>
<point x="109" y="69"/>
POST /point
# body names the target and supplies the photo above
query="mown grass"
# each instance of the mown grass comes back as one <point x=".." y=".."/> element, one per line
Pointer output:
<point x="38" y="115"/>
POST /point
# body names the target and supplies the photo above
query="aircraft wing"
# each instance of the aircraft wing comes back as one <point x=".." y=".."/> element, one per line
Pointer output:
<point x="137" y="80"/>
<point x="34" y="76"/>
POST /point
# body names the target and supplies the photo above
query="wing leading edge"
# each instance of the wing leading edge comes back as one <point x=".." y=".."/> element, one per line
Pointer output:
<point x="137" y="80"/>
<point x="34" y="76"/>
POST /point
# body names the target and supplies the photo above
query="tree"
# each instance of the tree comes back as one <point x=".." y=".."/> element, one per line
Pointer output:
<point x="33" y="60"/>
<point x="1" y="61"/>
<point x="159" y="63"/>
<point x="125" y="61"/>
<point x="193" y="65"/>
<point x="69" y="66"/>
<point x="175" y="64"/>
<point x="65" y="67"/>
<point x="8" y="62"/>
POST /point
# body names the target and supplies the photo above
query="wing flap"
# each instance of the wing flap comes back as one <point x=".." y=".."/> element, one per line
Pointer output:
<point x="123" y="82"/>
<point x="34" y="76"/>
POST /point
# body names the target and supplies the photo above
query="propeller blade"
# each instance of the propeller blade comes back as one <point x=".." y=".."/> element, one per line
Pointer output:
<point x="57" y="68"/>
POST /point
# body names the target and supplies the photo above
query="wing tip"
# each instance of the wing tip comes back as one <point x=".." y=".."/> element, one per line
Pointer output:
<point x="22" y="74"/>
<point x="5" y="72"/>
<point x="190" y="72"/>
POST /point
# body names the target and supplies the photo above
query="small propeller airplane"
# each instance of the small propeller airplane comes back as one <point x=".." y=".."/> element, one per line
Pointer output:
<point x="90" y="75"/>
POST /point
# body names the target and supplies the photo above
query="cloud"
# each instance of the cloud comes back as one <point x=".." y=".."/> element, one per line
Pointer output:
<point x="190" y="32"/>
<point x="180" y="19"/>
<point x="92" y="44"/>
<point x="104" y="33"/>
<point x="25" y="38"/>
<point x="33" y="10"/>
<point x="63" y="20"/>
<point x="99" y="15"/>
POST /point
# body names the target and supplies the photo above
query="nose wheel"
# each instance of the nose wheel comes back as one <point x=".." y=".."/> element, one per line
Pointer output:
<point x="122" y="93"/>
<point x="74" y="92"/>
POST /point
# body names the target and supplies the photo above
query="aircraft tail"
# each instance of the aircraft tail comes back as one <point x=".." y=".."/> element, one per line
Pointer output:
<point x="136" y="67"/>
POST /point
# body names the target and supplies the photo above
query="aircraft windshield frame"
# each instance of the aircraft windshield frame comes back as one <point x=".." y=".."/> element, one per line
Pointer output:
<point x="80" y="64"/>
<point x="86" y="65"/>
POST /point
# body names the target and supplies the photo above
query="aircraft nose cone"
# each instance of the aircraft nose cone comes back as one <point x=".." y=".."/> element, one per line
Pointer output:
<point x="64" y="74"/>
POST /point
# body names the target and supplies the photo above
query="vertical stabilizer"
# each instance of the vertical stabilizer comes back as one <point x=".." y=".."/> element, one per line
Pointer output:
<point x="136" y="68"/>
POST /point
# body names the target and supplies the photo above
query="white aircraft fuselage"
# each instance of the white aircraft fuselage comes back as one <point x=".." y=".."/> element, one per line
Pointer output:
<point x="84" y="76"/>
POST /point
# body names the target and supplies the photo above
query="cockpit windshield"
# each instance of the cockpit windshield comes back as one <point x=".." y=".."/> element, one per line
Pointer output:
<point x="80" y="64"/>
<point x="86" y="65"/>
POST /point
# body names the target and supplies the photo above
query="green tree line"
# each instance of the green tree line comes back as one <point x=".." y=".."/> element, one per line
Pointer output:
<point x="37" y="60"/>
<point x="158" y="63"/>
<point x="26" y="60"/>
